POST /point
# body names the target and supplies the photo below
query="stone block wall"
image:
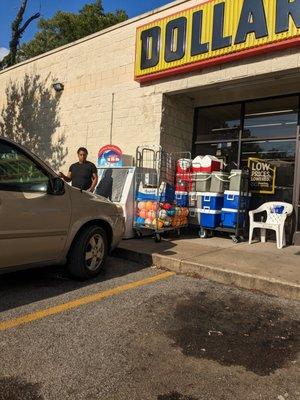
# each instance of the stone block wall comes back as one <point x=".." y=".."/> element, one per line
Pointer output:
<point x="177" y="123"/>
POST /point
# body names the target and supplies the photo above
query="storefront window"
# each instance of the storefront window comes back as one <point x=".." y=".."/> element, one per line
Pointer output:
<point x="218" y="123"/>
<point x="281" y="154"/>
<point x="272" y="118"/>
<point x="227" y="151"/>
<point x="269" y="131"/>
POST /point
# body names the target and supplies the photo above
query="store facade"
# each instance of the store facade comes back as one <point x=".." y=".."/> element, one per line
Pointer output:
<point x="211" y="77"/>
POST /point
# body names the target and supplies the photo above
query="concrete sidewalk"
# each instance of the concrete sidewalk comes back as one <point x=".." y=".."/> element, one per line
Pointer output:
<point x="260" y="266"/>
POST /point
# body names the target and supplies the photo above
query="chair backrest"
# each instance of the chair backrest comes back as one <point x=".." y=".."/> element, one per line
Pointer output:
<point x="283" y="209"/>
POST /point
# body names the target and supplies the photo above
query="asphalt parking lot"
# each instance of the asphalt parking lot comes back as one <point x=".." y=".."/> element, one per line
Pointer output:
<point x="141" y="333"/>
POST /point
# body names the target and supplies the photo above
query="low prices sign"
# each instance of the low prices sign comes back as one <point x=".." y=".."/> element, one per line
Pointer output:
<point x="262" y="176"/>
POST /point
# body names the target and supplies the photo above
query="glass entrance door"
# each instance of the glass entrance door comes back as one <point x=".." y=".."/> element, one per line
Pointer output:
<point x="266" y="129"/>
<point x="270" y="134"/>
<point x="280" y="154"/>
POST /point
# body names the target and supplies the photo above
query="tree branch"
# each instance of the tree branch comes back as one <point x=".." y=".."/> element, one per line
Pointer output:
<point x="32" y="18"/>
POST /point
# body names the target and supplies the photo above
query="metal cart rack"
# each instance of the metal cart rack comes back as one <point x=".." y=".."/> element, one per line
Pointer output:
<point x="237" y="233"/>
<point x="156" y="212"/>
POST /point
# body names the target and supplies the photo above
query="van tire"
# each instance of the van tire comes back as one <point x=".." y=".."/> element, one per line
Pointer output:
<point x="77" y="263"/>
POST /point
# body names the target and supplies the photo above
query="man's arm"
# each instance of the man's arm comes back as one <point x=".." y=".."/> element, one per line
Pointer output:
<point x="66" y="178"/>
<point x="94" y="182"/>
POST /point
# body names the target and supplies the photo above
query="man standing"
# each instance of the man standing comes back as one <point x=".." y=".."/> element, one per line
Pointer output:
<point x="82" y="174"/>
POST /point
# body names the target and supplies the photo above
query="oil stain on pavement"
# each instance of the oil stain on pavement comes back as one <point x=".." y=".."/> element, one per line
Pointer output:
<point x="235" y="331"/>
<point x="17" y="389"/>
<point x="174" y="396"/>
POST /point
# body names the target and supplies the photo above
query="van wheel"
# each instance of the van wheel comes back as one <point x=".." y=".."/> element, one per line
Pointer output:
<point x="88" y="253"/>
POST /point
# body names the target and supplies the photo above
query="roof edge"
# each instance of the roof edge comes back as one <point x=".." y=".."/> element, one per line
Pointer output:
<point x="100" y="33"/>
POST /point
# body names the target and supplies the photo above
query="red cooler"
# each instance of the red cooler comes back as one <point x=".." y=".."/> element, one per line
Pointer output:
<point x="210" y="164"/>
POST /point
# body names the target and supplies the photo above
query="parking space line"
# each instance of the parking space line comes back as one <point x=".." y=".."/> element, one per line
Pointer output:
<point x="37" y="315"/>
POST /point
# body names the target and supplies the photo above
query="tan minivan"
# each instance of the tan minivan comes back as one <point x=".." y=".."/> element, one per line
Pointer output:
<point x="44" y="221"/>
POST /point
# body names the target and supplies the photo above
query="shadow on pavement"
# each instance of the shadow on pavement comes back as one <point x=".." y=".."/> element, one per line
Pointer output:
<point x="28" y="286"/>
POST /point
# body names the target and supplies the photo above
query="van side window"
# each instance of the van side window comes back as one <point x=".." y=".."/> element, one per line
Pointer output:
<point x="18" y="173"/>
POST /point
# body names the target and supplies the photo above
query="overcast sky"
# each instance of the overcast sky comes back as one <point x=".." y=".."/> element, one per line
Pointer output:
<point x="8" y="10"/>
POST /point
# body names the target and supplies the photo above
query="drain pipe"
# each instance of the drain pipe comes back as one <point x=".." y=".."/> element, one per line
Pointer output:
<point x="112" y="118"/>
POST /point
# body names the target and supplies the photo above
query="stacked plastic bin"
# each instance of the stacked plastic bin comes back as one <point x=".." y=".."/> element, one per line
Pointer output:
<point x="212" y="201"/>
<point x="236" y="201"/>
<point x="183" y="182"/>
<point x="200" y="183"/>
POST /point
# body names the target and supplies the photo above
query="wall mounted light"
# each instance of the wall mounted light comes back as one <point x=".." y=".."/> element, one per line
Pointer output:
<point x="58" y="86"/>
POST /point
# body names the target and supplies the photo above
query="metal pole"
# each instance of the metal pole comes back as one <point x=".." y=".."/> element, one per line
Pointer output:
<point x="296" y="191"/>
<point x="112" y="118"/>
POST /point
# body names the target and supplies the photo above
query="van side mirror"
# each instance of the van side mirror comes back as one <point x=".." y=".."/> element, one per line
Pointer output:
<point x="56" y="186"/>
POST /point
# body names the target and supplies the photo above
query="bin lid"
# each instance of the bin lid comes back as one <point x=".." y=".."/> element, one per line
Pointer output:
<point x="210" y="212"/>
<point x="221" y="173"/>
<point x="236" y="193"/>
<point x="232" y="210"/>
<point x="211" y="194"/>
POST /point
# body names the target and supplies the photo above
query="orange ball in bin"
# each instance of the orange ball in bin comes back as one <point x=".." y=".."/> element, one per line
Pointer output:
<point x="157" y="223"/>
<point x="141" y="205"/>
<point x="155" y="206"/>
<point x="148" y="222"/>
<point x="144" y="213"/>
<point x="151" y="214"/>
<point x="149" y="205"/>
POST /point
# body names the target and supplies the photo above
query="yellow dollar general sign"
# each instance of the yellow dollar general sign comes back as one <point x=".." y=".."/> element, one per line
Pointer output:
<point x="214" y="32"/>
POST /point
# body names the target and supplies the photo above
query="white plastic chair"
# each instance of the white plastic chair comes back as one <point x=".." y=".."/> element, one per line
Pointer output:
<point x="275" y="221"/>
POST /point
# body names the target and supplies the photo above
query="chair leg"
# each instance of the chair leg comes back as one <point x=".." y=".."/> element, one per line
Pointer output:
<point x="263" y="235"/>
<point x="282" y="238"/>
<point x="278" y="238"/>
<point x="251" y="234"/>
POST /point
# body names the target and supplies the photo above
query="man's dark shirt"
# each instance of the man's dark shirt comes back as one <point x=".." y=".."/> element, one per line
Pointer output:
<point x="82" y="174"/>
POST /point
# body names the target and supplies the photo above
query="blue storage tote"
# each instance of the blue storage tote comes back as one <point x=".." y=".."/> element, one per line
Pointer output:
<point x="182" y="199"/>
<point x="229" y="218"/>
<point x="210" y="218"/>
<point x="232" y="200"/>
<point x="212" y="201"/>
<point x="165" y="194"/>
<point x="195" y="216"/>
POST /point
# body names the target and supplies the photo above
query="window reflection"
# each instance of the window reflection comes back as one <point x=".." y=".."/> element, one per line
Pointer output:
<point x="271" y="118"/>
<point x="281" y="154"/>
<point x="220" y="122"/>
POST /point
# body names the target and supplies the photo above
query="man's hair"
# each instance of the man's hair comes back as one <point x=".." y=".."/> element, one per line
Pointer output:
<point x="82" y="149"/>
